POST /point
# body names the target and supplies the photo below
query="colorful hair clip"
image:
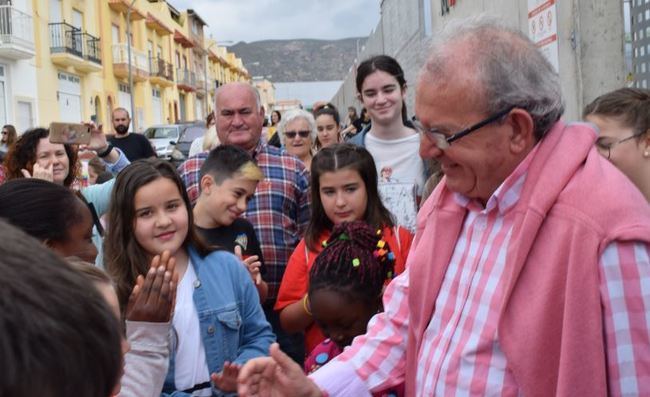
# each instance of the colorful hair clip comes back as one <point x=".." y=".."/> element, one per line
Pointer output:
<point x="356" y="262"/>
<point x="391" y="256"/>
<point x="390" y="275"/>
<point x="381" y="243"/>
<point x="378" y="232"/>
<point x="324" y="243"/>
<point x="343" y="236"/>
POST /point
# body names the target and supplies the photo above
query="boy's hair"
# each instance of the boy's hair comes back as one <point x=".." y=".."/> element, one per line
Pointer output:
<point x="44" y="210"/>
<point x="54" y="326"/>
<point x="355" y="261"/>
<point x="124" y="258"/>
<point x="630" y="105"/>
<point x="225" y="161"/>
<point x="335" y="158"/>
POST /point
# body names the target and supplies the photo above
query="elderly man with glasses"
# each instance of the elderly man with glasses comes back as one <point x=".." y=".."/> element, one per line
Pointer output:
<point x="530" y="268"/>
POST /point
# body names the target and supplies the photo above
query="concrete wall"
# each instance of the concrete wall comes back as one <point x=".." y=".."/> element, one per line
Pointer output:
<point x="590" y="37"/>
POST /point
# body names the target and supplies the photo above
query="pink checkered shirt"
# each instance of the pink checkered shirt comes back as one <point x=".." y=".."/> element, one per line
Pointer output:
<point x="460" y="353"/>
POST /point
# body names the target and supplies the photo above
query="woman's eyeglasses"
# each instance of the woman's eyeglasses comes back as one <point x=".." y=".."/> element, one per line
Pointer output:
<point x="292" y="134"/>
<point x="605" y="144"/>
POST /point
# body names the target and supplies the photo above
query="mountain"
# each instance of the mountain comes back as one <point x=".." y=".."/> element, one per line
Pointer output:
<point x="300" y="59"/>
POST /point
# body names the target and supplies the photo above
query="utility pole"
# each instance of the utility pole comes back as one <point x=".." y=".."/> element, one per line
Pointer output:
<point x="128" y="49"/>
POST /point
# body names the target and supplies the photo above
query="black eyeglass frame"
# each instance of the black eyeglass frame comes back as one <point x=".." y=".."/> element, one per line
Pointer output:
<point x="443" y="141"/>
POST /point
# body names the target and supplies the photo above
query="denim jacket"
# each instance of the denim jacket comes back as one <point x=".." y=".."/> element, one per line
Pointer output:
<point x="233" y="326"/>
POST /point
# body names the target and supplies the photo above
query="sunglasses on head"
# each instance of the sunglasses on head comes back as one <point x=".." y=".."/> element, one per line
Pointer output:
<point x="292" y="134"/>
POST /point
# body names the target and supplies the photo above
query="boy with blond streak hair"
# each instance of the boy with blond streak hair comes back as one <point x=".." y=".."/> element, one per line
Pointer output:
<point x="228" y="180"/>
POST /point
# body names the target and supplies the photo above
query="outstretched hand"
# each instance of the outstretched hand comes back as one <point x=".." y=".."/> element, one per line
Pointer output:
<point x="275" y="376"/>
<point x="226" y="380"/>
<point x="252" y="263"/>
<point x="153" y="296"/>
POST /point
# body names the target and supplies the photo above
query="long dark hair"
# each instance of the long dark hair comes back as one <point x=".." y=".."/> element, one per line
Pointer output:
<point x="23" y="155"/>
<point x="335" y="158"/>
<point x="11" y="134"/>
<point x="124" y="258"/>
<point x="385" y="64"/>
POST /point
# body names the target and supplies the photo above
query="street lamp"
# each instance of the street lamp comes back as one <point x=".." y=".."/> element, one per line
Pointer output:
<point x="128" y="49"/>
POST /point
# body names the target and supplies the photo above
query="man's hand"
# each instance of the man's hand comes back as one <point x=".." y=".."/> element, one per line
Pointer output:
<point x="275" y="376"/>
<point x="154" y="296"/>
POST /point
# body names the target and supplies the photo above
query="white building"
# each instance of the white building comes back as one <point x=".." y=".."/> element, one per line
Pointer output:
<point x="18" y="88"/>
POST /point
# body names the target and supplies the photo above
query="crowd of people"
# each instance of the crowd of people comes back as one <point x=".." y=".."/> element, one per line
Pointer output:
<point x="485" y="246"/>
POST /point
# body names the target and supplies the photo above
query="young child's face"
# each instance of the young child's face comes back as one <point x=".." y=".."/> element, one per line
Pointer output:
<point x="228" y="201"/>
<point x="343" y="195"/>
<point x="340" y="318"/>
<point x="161" y="217"/>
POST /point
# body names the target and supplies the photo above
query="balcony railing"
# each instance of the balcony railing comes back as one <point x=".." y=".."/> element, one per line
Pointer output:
<point x="16" y="27"/>
<point x="139" y="59"/>
<point x="92" y="51"/>
<point x="161" y="68"/>
<point x="186" y="78"/>
<point x="65" y="38"/>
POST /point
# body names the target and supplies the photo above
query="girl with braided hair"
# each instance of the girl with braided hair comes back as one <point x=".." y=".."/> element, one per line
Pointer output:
<point x="343" y="189"/>
<point x="346" y="284"/>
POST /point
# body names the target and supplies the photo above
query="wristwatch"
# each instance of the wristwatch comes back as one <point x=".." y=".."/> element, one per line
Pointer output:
<point x="106" y="152"/>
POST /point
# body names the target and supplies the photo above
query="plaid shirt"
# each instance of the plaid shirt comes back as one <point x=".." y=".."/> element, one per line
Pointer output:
<point x="279" y="210"/>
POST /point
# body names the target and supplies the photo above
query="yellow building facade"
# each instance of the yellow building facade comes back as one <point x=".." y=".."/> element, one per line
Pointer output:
<point x="86" y="67"/>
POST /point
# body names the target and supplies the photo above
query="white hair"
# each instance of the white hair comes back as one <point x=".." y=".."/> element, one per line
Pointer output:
<point x="295" y="114"/>
<point x="508" y="67"/>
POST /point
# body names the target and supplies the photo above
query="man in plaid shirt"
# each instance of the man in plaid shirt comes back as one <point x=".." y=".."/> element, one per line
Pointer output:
<point x="279" y="210"/>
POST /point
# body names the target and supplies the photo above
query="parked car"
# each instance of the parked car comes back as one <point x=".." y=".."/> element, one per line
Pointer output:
<point x="164" y="137"/>
<point x="182" y="147"/>
<point x="160" y="137"/>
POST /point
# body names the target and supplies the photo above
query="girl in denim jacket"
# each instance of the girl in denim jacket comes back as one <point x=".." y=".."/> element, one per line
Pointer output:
<point x="218" y="323"/>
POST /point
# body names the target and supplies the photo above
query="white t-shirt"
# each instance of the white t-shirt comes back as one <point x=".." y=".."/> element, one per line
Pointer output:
<point x="401" y="175"/>
<point x="398" y="160"/>
<point x="191" y="367"/>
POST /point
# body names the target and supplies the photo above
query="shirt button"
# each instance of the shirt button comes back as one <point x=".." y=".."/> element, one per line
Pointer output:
<point x="197" y="283"/>
<point x="211" y="329"/>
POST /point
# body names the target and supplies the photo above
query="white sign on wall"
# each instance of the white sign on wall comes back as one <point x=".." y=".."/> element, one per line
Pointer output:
<point x="542" y="29"/>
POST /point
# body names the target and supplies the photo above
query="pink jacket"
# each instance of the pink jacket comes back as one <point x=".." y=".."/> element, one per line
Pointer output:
<point x="573" y="204"/>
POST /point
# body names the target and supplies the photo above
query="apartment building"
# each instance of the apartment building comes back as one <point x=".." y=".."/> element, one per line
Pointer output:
<point x="145" y="56"/>
<point x="17" y="65"/>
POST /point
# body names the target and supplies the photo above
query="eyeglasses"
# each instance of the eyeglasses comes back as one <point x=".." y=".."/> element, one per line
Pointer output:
<point x="443" y="141"/>
<point x="604" y="144"/>
<point x="292" y="134"/>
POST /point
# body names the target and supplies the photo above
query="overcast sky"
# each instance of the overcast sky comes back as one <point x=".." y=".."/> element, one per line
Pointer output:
<point x="255" y="20"/>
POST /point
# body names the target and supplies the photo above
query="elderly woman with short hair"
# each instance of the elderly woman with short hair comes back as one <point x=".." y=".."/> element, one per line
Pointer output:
<point x="297" y="131"/>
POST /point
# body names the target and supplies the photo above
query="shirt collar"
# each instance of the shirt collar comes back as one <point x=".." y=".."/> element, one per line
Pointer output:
<point x="506" y="195"/>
